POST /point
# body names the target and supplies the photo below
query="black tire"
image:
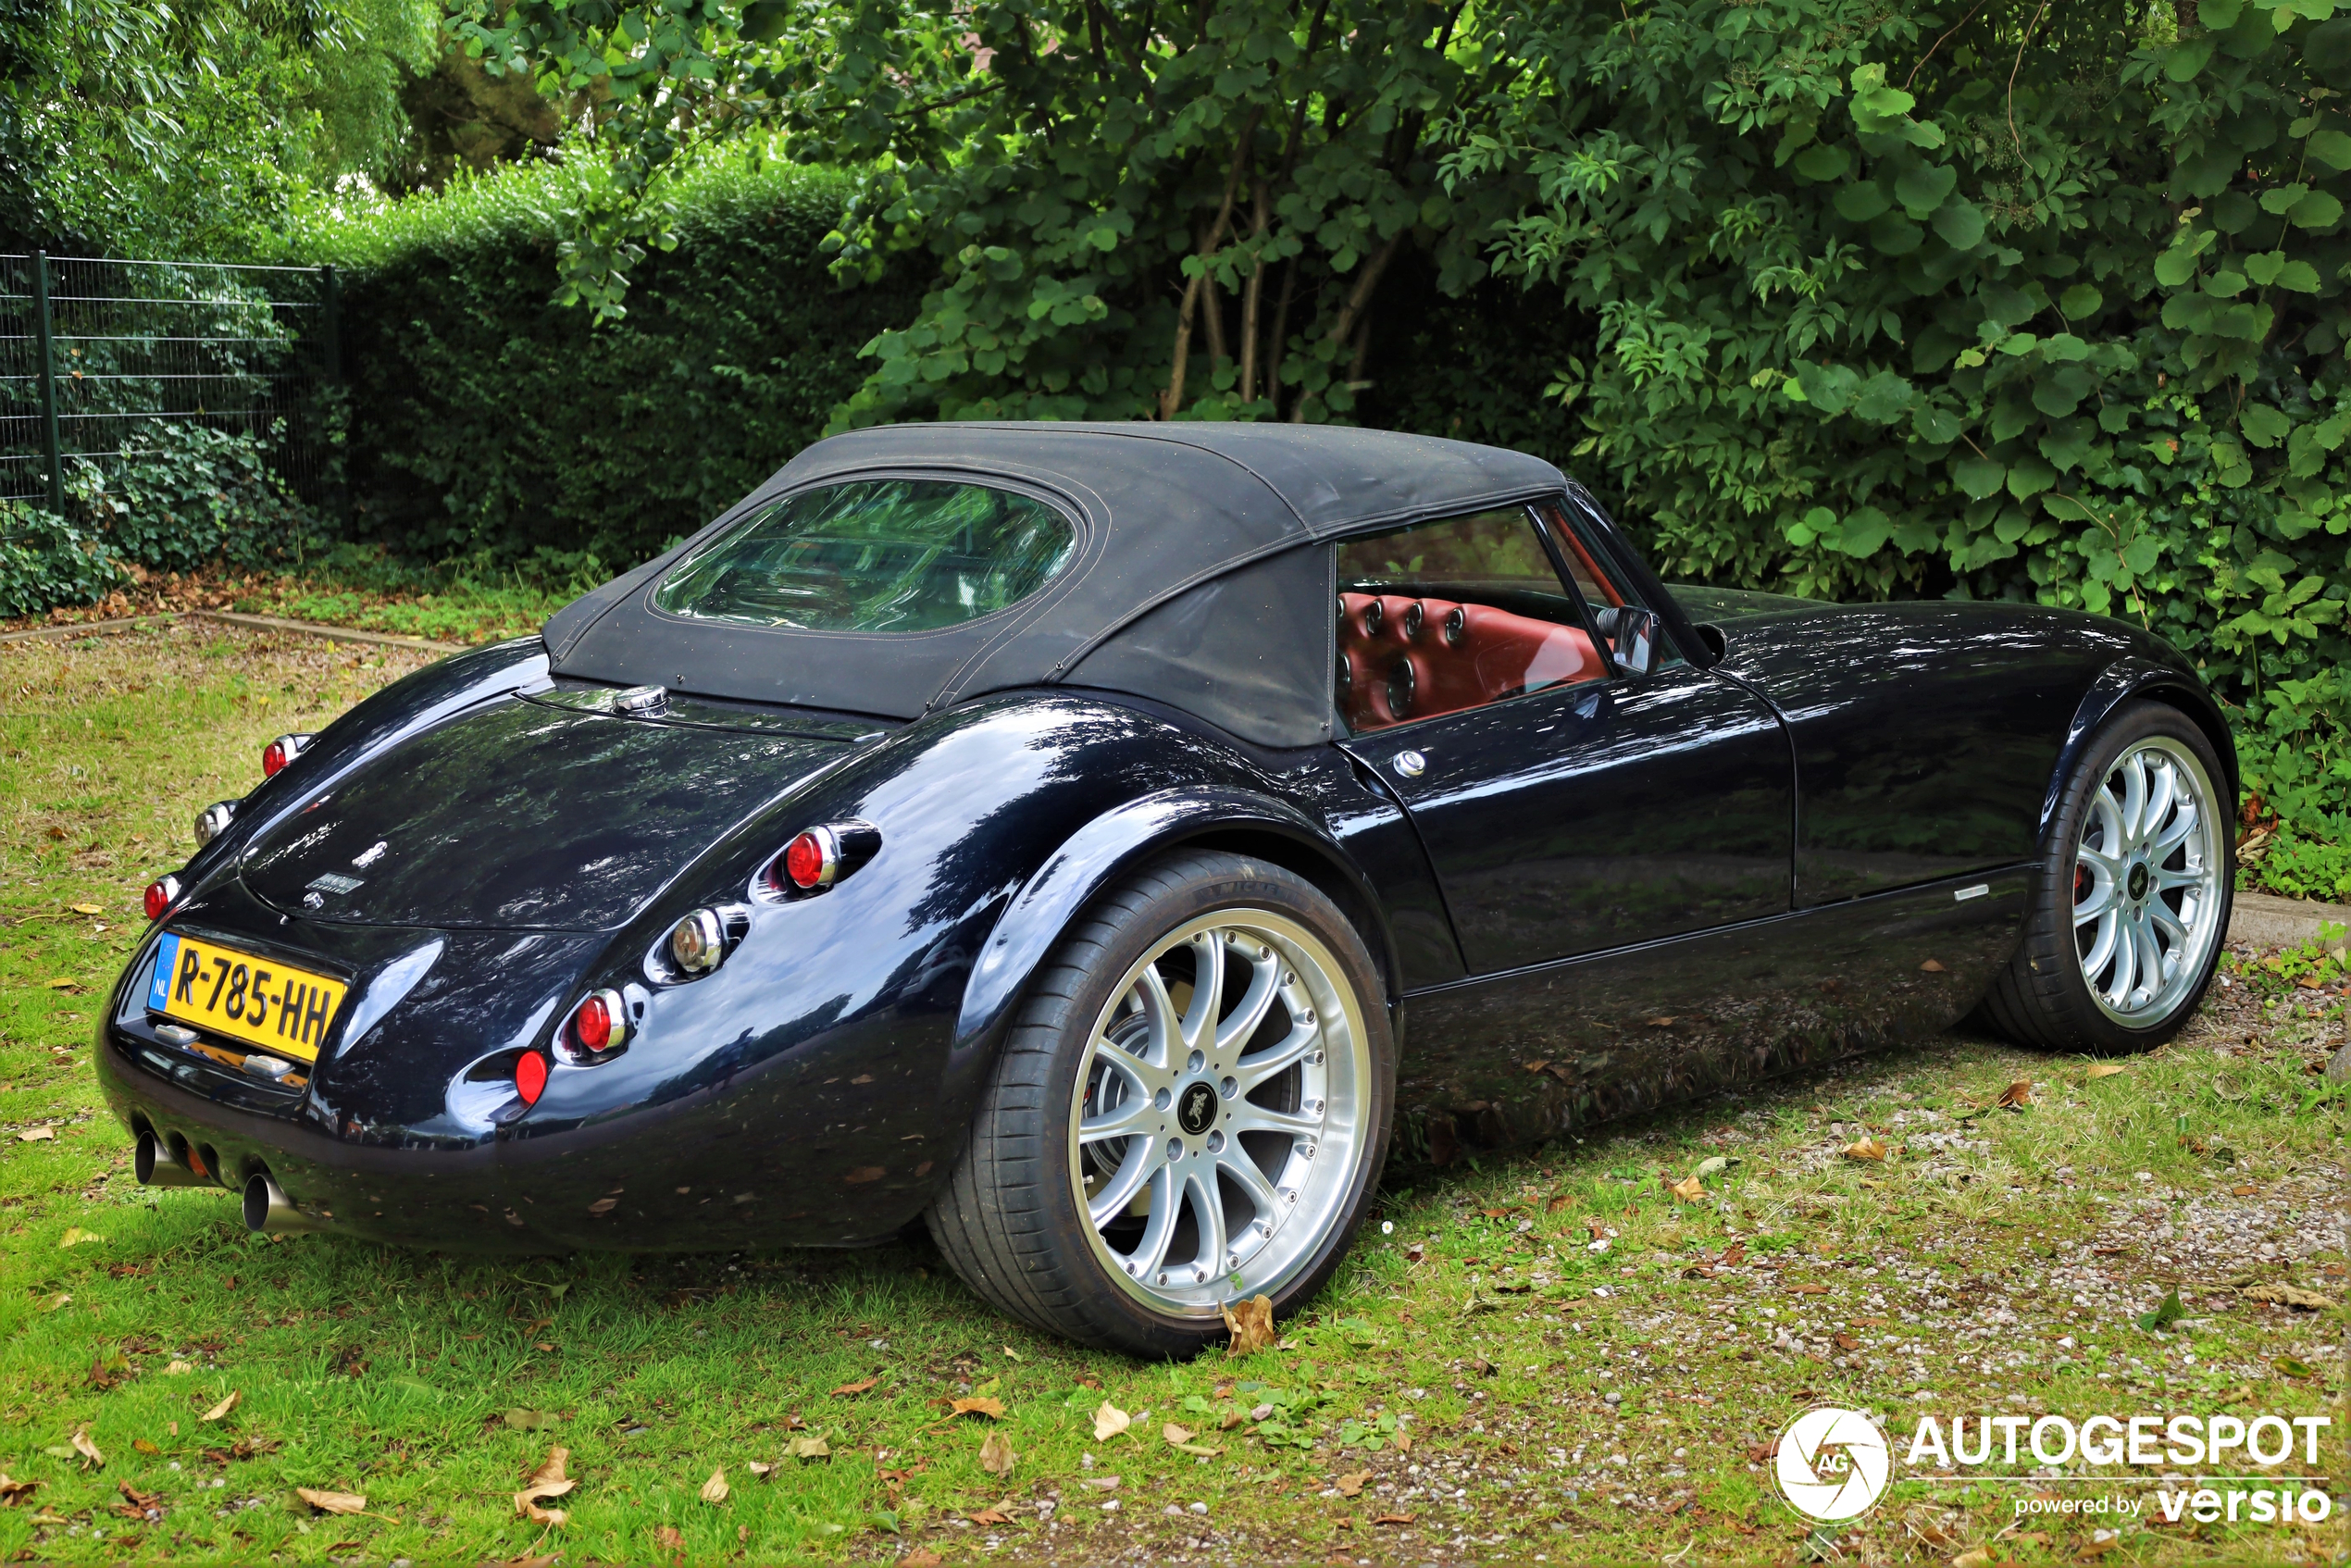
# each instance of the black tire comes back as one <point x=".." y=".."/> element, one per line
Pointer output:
<point x="1010" y="1219"/>
<point x="2043" y="999"/>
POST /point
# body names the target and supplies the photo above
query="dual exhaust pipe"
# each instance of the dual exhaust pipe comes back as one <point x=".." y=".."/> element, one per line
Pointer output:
<point x="267" y="1207"/>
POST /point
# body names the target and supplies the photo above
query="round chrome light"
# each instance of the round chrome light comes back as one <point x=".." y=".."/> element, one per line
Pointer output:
<point x="813" y="860"/>
<point x="283" y="749"/>
<point x="162" y="893"/>
<point x="214" y="820"/>
<point x="698" y="943"/>
<point x="602" y="1022"/>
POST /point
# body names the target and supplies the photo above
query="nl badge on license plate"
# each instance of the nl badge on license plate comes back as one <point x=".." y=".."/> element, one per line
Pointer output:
<point x="260" y="1002"/>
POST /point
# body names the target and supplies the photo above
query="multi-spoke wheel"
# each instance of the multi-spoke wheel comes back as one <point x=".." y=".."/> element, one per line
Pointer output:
<point x="1190" y="1111"/>
<point x="2134" y="901"/>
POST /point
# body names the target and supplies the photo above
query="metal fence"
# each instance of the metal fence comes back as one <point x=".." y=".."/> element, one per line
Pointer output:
<point x="95" y="353"/>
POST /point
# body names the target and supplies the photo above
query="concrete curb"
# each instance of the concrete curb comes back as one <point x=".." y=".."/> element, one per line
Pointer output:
<point x="2265" y="920"/>
<point x="231" y="617"/>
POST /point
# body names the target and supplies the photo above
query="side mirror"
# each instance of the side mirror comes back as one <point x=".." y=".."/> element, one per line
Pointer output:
<point x="1636" y="635"/>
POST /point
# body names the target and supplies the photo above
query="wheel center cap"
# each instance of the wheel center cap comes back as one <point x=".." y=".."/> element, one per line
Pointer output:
<point x="1196" y="1109"/>
<point x="2139" y="879"/>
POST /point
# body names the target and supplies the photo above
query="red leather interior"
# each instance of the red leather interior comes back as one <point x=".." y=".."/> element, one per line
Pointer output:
<point x="1402" y="658"/>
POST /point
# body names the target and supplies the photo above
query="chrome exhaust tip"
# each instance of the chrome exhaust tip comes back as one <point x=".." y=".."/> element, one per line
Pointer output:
<point x="269" y="1209"/>
<point x="157" y="1166"/>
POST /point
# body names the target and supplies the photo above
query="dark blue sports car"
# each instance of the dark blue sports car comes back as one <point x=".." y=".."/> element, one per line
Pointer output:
<point x="1103" y="844"/>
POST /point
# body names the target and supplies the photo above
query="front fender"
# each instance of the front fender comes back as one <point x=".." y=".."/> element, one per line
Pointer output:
<point x="2131" y="676"/>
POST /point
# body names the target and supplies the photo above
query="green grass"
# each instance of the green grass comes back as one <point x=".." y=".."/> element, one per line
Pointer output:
<point x="1481" y="1327"/>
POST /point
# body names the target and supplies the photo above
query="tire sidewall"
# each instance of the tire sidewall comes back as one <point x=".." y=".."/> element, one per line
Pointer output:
<point x="2133" y="722"/>
<point x="1236" y="883"/>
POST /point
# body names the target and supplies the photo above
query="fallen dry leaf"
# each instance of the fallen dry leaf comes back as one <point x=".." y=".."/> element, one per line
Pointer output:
<point x="223" y="1408"/>
<point x="1689" y="1189"/>
<point x="857" y="1388"/>
<point x="2289" y="1296"/>
<point x="62" y="983"/>
<point x="762" y="1471"/>
<point x="179" y="1368"/>
<point x="602" y="1206"/>
<point x="37" y="1135"/>
<point x="547" y="1481"/>
<point x="2103" y="1069"/>
<point x="1394" y="1518"/>
<point x="669" y="1538"/>
<point x="14" y="1492"/>
<point x="1100" y="1483"/>
<point x="993" y="1409"/>
<point x="811" y="1447"/>
<point x="332" y="1502"/>
<point x="1251" y="1325"/>
<point x="1980" y="1558"/>
<point x="996" y="1455"/>
<point x="1808" y="1290"/>
<point x="1865" y="1148"/>
<point x="2017" y="1095"/>
<point x="1351" y="1483"/>
<point x="715" y="1489"/>
<point x="1931" y="967"/>
<point x="1109" y="1422"/>
<point x="76" y="1237"/>
<point x="142" y="1446"/>
<point x="990" y="1516"/>
<point x="1558" y="1201"/>
<point x="1175" y="1434"/>
<point x="87" y="909"/>
<point x="920" y="1557"/>
<point x="88" y="1449"/>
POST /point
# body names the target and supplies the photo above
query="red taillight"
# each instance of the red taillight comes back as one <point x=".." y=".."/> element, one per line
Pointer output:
<point x="595" y="1024"/>
<point x="161" y="893"/>
<point x="810" y="859"/>
<point x="530" y="1076"/>
<point x="600" y="1023"/>
<point x="279" y="752"/>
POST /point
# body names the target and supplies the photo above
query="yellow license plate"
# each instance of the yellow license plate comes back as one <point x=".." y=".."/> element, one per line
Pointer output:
<point x="271" y="1006"/>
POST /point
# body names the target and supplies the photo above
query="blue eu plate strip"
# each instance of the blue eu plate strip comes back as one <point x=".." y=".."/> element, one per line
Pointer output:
<point x="167" y="960"/>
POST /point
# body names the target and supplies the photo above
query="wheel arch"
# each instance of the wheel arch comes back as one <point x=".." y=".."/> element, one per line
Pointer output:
<point x="1095" y="857"/>
<point x="2139" y="678"/>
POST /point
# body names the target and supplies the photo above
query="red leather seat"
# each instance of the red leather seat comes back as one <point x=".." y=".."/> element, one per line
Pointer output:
<point x="1402" y="658"/>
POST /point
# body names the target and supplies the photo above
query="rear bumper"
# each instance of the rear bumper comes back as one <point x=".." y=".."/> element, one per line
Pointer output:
<point x="710" y="1131"/>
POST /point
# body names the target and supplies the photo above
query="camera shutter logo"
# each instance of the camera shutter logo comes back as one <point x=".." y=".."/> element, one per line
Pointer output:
<point x="1833" y="1463"/>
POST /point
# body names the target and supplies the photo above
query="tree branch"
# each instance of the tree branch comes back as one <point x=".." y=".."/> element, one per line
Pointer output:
<point x="1173" y="398"/>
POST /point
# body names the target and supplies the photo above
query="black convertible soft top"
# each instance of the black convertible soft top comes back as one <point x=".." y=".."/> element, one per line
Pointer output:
<point x="1194" y="583"/>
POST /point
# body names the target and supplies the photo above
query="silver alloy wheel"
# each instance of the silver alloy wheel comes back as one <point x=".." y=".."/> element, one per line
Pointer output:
<point x="1220" y="1115"/>
<point x="2147" y="882"/>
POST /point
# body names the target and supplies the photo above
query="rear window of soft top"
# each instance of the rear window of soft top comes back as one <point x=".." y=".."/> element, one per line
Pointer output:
<point x="874" y="555"/>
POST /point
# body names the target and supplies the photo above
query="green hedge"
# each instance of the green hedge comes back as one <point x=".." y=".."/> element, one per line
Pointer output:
<point x="492" y="423"/>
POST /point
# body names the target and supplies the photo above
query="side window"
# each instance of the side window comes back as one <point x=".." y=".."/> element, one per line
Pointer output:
<point x="1453" y="615"/>
<point x="1602" y="595"/>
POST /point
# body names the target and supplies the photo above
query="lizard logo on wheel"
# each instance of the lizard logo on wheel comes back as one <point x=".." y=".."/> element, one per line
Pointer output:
<point x="1197" y="1109"/>
<point x="1833" y="1463"/>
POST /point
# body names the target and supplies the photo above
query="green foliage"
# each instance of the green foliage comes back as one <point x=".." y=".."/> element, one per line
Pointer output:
<point x="180" y="496"/>
<point x="2306" y="866"/>
<point x="190" y="129"/>
<point x="491" y="422"/>
<point x="46" y="560"/>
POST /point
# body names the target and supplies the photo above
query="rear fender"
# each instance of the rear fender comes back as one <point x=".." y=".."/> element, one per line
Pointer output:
<point x="2119" y="682"/>
<point x="1090" y="862"/>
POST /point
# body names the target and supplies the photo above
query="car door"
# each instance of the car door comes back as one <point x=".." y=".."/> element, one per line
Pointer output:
<point x="1568" y="807"/>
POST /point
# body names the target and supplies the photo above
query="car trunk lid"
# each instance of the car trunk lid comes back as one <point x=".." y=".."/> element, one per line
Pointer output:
<point x="552" y="813"/>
